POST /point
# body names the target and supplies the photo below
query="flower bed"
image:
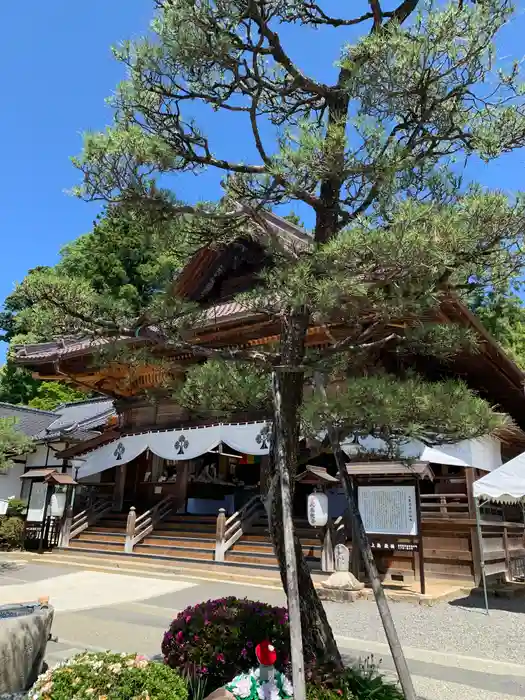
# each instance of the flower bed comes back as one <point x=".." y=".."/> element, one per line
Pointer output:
<point x="217" y="639"/>
<point x="109" y="676"/>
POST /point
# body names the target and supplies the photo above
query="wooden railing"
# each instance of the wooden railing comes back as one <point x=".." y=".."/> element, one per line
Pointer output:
<point x="137" y="528"/>
<point x="75" y="524"/>
<point x="448" y="506"/>
<point x="232" y="529"/>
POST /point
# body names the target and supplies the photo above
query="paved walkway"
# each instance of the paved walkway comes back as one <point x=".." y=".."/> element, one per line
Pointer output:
<point x="130" y="613"/>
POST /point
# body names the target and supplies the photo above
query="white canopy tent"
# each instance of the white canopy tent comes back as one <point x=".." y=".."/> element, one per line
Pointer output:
<point x="503" y="485"/>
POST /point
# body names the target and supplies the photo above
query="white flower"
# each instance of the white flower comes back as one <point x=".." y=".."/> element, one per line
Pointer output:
<point x="287" y="687"/>
<point x="268" y="691"/>
<point x="243" y="687"/>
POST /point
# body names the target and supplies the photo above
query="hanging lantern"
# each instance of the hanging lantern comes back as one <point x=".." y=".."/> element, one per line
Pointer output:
<point x="317" y="509"/>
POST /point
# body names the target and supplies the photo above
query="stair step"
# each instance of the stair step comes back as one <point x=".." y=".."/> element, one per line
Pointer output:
<point x="252" y="558"/>
<point x="181" y="518"/>
<point x="175" y="552"/>
<point x="96" y="544"/>
<point x="180" y="543"/>
<point x="188" y="525"/>
<point x="99" y="537"/>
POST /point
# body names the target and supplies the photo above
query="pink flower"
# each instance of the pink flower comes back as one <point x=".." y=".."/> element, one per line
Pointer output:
<point x="188" y="618"/>
<point x="244" y="653"/>
<point x="180" y="636"/>
<point x="220" y="658"/>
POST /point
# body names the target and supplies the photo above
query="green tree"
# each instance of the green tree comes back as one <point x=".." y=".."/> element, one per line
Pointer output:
<point x="503" y="314"/>
<point x="12" y="442"/>
<point x="17" y="386"/>
<point x="53" y="394"/>
<point x="370" y="154"/>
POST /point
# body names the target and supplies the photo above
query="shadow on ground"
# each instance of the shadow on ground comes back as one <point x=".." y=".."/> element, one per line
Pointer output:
<point x="11" y="566"/>
<point x="476" y="601"/>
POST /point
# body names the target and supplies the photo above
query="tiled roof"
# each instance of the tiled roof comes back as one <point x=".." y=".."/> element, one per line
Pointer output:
<point x="30" y="421"/>
<point x="290" y="236"/>
<point x="77" y="420"/>
<point x="47" y="352"/>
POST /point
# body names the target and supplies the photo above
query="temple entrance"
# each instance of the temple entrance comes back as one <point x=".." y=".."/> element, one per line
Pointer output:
<point x="200" y="486"/>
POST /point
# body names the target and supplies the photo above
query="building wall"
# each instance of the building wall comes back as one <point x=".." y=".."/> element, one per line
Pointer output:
<point x="10" y="483"/>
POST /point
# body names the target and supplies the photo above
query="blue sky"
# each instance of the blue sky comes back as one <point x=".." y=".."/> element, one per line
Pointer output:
<point x="57" y="70"/>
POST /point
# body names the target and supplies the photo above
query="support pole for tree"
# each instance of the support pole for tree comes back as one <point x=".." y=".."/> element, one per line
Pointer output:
<point x="294" y="609"/>
<point x="358" y="531"/>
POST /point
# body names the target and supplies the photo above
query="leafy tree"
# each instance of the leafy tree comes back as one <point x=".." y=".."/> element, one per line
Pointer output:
<point x="370" y="154"/>
<point x="503" y="314"/>
<point x="53" y="394"/>
<point x="12" y="442"/>
<point x="17" y="386"/>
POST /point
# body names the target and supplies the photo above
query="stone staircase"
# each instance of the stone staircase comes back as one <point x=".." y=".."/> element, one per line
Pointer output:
<point x="191" y="538"/>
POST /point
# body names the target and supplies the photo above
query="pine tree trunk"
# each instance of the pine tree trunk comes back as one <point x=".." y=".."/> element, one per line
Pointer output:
<point x="318" y="639"/>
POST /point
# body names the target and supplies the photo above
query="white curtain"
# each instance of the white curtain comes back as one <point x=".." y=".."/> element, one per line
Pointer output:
<point x="179" y="445"/>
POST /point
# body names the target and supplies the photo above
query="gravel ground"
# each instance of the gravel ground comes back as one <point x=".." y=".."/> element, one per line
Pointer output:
<point x="459" y="627"/>
<point x="428" y="689"/>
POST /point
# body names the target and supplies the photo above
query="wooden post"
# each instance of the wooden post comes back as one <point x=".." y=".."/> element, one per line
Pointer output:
<point x="355" y="562"/>
<point x="130" y="530"/>
<point x="49" y="492"/>
<point x="118" y="490"/>
<point x="475" y="543"/>
<point x="327" y="553"/>
<point x="507" y="552"/>
<point x="219" y="535"/>
<point x="421" y="552"/>
<point x="65" y="530"/>
<point x="362" y="542"/>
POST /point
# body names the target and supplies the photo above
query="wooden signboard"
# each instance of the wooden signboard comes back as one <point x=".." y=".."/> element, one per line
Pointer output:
<point x="392" y="518"/>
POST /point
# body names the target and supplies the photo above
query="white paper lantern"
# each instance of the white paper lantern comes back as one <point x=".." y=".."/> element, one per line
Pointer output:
<point x="58" y="504"/>
<point x="317" y="509"/>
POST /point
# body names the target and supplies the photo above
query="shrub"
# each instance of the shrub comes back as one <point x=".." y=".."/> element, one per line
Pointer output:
<point x="16" y="506"/>
<point x="360" y="682"/>
<point x="11" y="532"/>
<point x="217" y="638"/>
<point x="109" y="676"/>
<point x="364" y="682"/>
<point x="315" y="692"/>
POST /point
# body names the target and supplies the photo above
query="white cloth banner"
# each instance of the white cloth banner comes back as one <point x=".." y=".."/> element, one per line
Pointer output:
<point x="177" y="445"/>
<point x="481" y="453"/>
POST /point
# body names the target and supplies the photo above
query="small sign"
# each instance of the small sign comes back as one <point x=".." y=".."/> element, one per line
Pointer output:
<point x="388" y="510"/>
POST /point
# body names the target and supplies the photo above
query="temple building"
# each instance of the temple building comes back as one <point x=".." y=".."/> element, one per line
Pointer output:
<point x="159" y="481"/>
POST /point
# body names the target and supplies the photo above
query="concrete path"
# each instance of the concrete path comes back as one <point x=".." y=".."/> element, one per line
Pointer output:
<point x="130" y="613"/>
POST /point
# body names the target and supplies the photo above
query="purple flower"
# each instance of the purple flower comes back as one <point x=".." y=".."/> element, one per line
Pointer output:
<point x="249" y="644"/>
<point x="244" y="653"/>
